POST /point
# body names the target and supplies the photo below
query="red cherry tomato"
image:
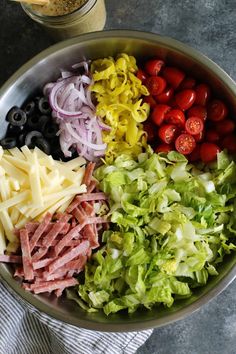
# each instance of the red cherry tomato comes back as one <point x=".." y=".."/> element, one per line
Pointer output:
<point x="150" y="100"/>
<point x="225" y="127"/>
<point x="229" y="143"/>
<point x="167" y="133"/>
<point x="153" y="66"/>
<point x="187" y="83"/>
<point x="165" y="96"/>
<point x="197" y="111"/>
<point x="185" y="144"/>
<point x="164" y="148"/>
<point x="194" y="125"/>
<point x="155" y="85"/>
<point x="141" y="75"/>
<point x="217" y="110"/>
<point x="195" y="154"/>
<point x="185" y="99"/>
<point x="158" y="113"/>
<point x="203" y="93"/>
<point x="151" y="131"/>
<point x="212" y="136"/>
<point x="208" y="152"/>
<point x="176" y="117"/>
<point x="173" y="76"/>
<point x="199" y="137"/>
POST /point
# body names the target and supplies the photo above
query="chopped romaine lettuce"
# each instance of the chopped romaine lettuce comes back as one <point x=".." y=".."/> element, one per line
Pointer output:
<point x="172" y="223"/>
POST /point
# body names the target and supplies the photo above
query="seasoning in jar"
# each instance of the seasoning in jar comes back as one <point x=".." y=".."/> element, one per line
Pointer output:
<point x="58" y="7"/>
<point x="68" y="18"/>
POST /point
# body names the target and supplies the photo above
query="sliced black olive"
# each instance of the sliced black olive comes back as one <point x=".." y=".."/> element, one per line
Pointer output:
<point x="37" y="122"/>
<point x="43" y="145"/>
<point x="16" y="116"/>
<point x="8" y="143"/>
<point x="12" y="130"/>
<point x="50" y="130"/>
<point x="44" y="106"/>
<point x="31" y="137"/>
<point x="21" y="139"/>
<point x="30" y="108"/>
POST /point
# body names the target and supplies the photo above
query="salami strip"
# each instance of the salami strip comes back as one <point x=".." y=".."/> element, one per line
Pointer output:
<point x="68" y="256"/>
<point x="26" y="256"/>
<point x="42" y="263"/>
<point x="88" y="173"/>
<point x="39" y="231"/>
<point x="55" y="230"/>
<point x="86" y="198"/>
<point x="10" y="259"/>
<point x="54" y="285"/>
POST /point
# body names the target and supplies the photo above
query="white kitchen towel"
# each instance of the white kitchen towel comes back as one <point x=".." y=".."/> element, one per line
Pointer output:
<point x="25" y="330"/>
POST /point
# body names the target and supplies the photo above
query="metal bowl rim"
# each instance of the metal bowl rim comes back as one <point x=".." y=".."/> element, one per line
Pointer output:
<point x="223" y="283"/>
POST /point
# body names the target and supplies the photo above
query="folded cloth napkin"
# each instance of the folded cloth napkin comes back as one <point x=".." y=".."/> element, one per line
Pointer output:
<point x="25" y="330"/>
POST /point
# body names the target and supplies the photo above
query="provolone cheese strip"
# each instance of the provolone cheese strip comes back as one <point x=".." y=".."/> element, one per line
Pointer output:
<point x="54" y="207"/>
<point x="27" y="153"/>
<point x="68" y="191"/>
<point x="14" y="184"/>
<point x="22" y="221"/>
<point x="8" y="226"/>
<point x="64" y="206"/>
<point x="2" y="240"/>
<point x="16" y="153"/>
<point x="21" y="164"/>
<point x="12" y="171"/>
<point x="34" y="178"/>
<point x="44" y="176"/>
<point x="4" y="188"/>
<point x="15" y="214"/>
<point x="12" y="247"/>
<point x="2" y="171"/>
<point x="14" y="200"/>
<point x="1" y="152"/>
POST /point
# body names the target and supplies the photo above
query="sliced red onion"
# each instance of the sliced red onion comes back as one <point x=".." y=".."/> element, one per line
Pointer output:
<point x="73" y="109"/>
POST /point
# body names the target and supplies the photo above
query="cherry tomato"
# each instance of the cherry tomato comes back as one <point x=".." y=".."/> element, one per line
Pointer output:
<point x="151" y="131"/>
<point x="165" y="96"/>
<point x="217" y="110"/>
<point x="167" y="133"/>
<point x="212" y="136"/>
<point x="153" y="66"/>
<point x="229" y="143"/>
<point x="176" y="117"/>
<point x="185" y="144"/>
<point x="199" y="137"/>
<point x="225" y="127"/>
<point x="150" y="100"/>
<point x="187" y="83"/>
<point x="197" y="111"/>
<point x="155" y="85"/>
<point x="203" y="93"/>
<point x="194" y="125"/>
<point x="141" y="75"/>
<point x="158" y="113"/>
<point x="185" y="99"/>
<point x="173" y="76"/>
<point x="208" y="152"/>
<point x="195" y="154"/>
<point x="164" y="148"/>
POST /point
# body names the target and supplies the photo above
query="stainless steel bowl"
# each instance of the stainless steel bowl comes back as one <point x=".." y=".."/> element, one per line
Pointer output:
<point x="44" y="68"/>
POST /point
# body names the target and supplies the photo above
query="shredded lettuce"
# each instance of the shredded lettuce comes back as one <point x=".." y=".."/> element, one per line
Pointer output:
<point x="171" y="225"/>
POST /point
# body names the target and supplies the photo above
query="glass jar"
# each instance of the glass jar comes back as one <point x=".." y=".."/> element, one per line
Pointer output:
<point x="88" y="18"/>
